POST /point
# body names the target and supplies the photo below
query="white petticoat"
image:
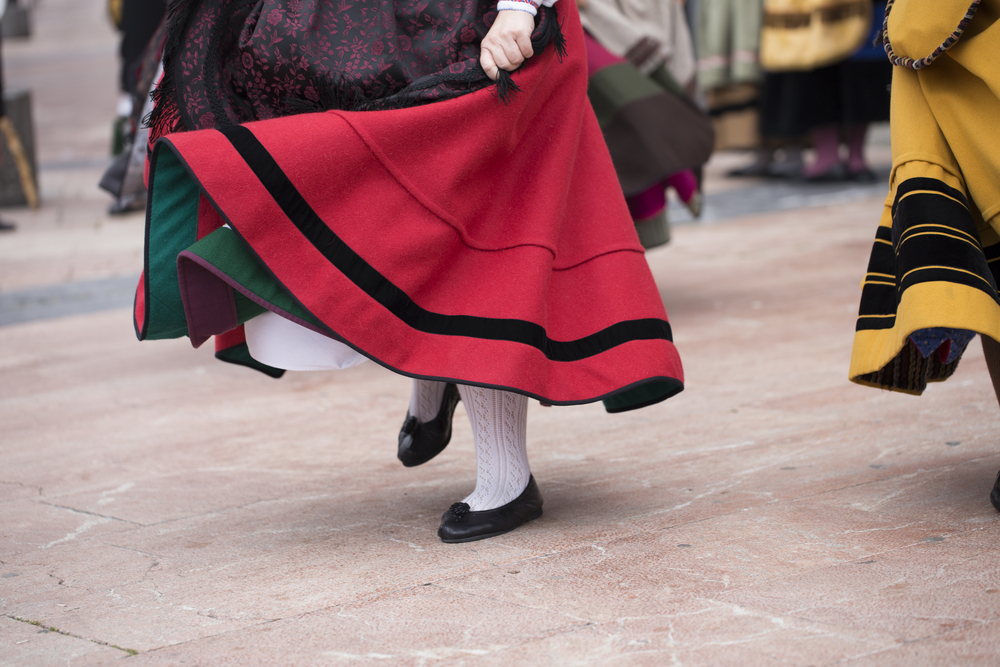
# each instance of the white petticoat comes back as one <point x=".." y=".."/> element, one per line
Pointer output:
<point x="281" y="343"/>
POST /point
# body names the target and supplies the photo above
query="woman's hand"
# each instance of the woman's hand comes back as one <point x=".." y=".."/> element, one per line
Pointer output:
<point x="508" y="43"/>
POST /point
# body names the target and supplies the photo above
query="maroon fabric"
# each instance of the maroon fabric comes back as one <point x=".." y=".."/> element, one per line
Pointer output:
<point x="209" y="304"/>
<point x="208" y="296"/>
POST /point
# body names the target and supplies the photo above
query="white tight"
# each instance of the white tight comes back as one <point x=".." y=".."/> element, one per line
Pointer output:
<point x="499" y="429"/>
<point x="425" y="400"/>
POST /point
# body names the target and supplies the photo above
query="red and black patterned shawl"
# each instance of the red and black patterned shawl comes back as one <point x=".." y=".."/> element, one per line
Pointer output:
<point x="233" y="61"/>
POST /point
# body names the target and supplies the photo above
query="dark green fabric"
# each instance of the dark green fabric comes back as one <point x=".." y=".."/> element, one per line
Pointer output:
<point x="617" y="86"/>
<point x="247" y="308"/>
<point x="174" y="206"/>
<point x="662" y="76"/>
<point x="224" y="250"/>
<point x="643" y="395"/>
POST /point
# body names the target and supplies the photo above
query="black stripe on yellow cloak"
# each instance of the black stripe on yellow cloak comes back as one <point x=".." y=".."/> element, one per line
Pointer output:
<point x="932" y="249"/>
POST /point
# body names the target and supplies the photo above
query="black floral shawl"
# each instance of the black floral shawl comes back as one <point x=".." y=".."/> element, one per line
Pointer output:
<point x="232" y="61"/>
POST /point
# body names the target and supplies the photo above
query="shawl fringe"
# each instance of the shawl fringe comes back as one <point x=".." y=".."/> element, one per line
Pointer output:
<point x="166" y="114"/>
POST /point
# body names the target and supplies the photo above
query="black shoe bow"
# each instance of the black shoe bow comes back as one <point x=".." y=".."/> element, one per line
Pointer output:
<point x="460" y="524"/>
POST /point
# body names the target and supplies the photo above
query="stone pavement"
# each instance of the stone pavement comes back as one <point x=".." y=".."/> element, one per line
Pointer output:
<point x="161" y="508"/>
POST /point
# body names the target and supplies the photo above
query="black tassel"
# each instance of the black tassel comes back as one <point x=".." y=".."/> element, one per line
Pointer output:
<point x="556" y="35"/>
<point x="548" y="31"/>
<point x="295" y="106"/>
<point x="505" y="89"/>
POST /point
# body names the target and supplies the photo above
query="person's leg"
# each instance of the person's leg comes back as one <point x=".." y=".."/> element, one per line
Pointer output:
<point x="506" y="495"/>
<point x="991" y="350"/>
<point x="826" y="142"/>
<point x="685" y="183"/>
<point x="140" y="18"/>
<point x="649" y="214"/>
<point x="425" y="400"/>
<point x="426" y="430"/>
<point x="857" y="166"/>
<point x="864" y="99"/>
<point x="499" y="428"/>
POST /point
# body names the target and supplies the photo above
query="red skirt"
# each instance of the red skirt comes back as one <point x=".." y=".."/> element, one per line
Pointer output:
<point x="465" y="240"/>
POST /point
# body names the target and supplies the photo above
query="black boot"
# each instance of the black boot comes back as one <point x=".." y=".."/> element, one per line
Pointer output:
<point x="460" y="524"/>
<point x="420" y="442"/>
<point x="995" y="495"/>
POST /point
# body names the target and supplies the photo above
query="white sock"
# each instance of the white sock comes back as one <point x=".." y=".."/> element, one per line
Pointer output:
<point x="425" y="401"/>
<point x="499" y="426"/>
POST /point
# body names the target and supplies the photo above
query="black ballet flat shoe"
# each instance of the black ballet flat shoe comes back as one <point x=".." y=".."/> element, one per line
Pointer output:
<point x="995" y="495"/>
<point x="460" y="524"/>
<point x="420" y="442"/>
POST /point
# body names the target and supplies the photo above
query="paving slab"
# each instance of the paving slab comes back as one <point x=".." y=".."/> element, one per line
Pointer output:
<point x="972" y="646"/>
<point x="24" y="643"/>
